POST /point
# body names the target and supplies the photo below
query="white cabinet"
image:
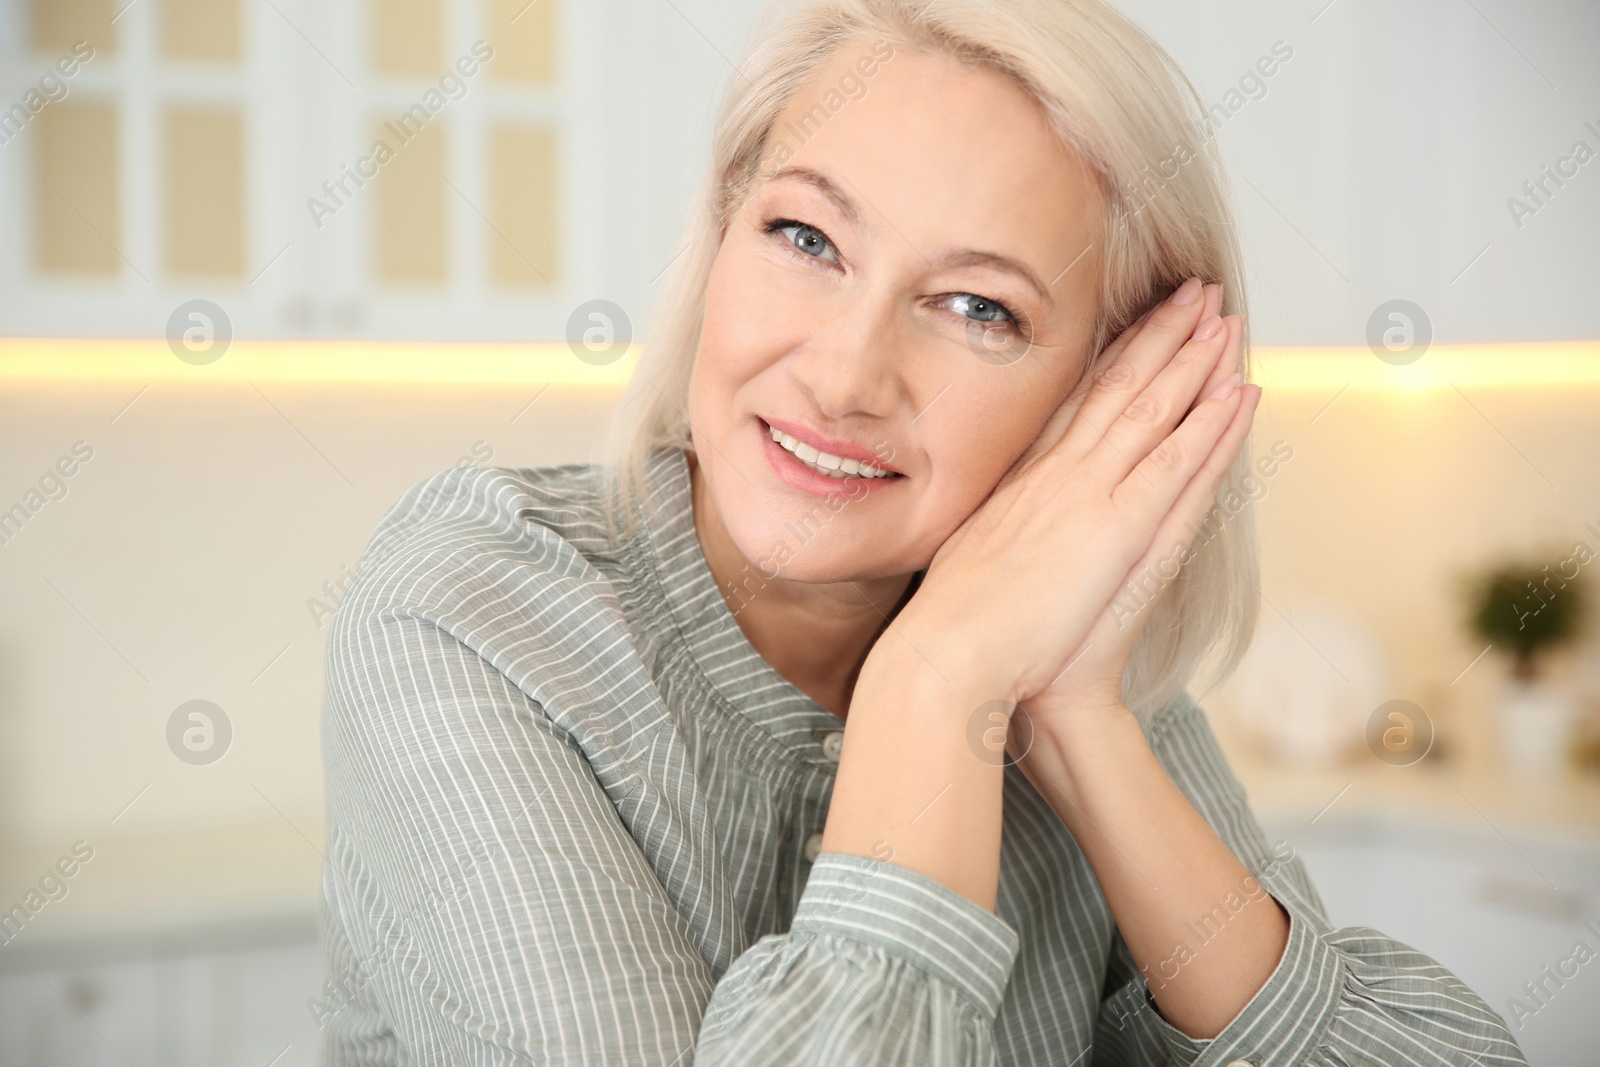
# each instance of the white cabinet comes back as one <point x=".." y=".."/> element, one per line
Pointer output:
<point x="1494" y="909"/>
<point x="231" y="1008"/>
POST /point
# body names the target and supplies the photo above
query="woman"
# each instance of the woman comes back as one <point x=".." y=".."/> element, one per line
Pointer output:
<point x="843" y="716"/>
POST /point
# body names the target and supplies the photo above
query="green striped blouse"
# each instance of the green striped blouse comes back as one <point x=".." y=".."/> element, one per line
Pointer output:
<point x="574" y="817"/>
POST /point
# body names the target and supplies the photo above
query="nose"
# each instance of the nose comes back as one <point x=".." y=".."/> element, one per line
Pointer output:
<point x="853" y="362"/>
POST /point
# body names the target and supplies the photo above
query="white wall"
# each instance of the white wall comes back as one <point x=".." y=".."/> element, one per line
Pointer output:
<point x="1385" y="152"/>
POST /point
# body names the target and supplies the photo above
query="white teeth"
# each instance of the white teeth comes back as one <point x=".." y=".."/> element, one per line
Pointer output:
<point x="825" y="462"/>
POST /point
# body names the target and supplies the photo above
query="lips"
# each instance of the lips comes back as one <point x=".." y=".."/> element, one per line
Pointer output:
<point x="843" y="450"/>
<point x="827" y="465"/>
<point x="797" y="475"/>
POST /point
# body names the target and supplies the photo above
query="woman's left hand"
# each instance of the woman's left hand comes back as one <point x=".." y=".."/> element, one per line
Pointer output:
<point x="1156" y="858"/>
<point x="1092" y="679"/>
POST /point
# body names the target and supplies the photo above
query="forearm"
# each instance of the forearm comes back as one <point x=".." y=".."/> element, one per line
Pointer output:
<point x="910" y="788"/>
<point x="1203" y="931"/>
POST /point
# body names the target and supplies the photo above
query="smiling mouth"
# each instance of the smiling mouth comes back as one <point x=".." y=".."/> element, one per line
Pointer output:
<point x="825" y="463"/>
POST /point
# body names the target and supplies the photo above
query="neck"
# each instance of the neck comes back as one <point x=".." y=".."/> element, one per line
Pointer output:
<point x="815" y="634"/>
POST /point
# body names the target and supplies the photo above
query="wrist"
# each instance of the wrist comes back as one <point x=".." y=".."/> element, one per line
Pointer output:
<point x="1087" y="723"/>
<point x="916" y="647"/>
<point x="908" y="743"/>
<point x="1076" y="750"/>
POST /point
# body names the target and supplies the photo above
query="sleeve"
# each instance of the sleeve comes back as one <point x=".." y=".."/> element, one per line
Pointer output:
<point x="490" y="906"/>
<point x="1338" y="997"/>
<point x="881" y="965"/>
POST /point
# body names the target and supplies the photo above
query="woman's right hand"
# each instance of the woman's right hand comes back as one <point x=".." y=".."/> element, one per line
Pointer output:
<point x="1015" y="590"/>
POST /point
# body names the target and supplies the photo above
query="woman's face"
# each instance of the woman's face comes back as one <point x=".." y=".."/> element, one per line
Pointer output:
<point x="912" y="281"/>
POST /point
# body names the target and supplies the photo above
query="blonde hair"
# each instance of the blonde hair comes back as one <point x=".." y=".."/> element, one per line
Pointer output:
<point x="1117" y="99"/>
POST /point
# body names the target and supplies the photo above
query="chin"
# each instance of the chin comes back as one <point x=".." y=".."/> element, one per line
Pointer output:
<point x="779" y="546"/>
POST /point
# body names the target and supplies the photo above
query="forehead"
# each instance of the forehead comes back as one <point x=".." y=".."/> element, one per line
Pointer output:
<point x="941" y="154"/>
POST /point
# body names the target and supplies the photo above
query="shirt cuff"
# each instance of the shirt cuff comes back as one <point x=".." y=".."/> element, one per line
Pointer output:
<point x="922" y="921"/>
<point x="1287" y="1016"/>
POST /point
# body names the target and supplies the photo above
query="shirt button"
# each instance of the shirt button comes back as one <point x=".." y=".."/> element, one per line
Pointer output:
<point x="833" y="744"/>
<point x="813" y="847"/>
<point x="1240" y="1063"/>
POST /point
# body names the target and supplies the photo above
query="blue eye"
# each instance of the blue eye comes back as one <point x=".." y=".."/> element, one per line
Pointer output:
<point x="814" y="244"/>
<point x="805" y="238"/>
<point x="983" y="309"/>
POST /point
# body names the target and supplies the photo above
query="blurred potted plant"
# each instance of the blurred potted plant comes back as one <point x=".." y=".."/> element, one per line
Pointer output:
<point x="1526" y="610"/>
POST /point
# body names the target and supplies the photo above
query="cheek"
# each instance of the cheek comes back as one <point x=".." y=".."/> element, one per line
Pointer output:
<point x="964" y="462"/>
<point x="998" y="422"/>
<point x="974" y="445"/>
<point x="741" y="332"/>
<point x="971" y="463"/>
<point x="724" y="349"/>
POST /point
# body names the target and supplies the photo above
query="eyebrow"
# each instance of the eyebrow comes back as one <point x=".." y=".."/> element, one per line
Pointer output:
<point x="967" y="257"/>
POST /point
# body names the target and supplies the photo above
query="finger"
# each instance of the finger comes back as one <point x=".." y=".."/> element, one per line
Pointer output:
<point x="1169" y="328"/>
<point x="1155" y="483"/>
<point x="1131" y="331"/>
<point x="1172" y="547"/>
<point x="1187" y="517"/>
<point x="1056" y="426"/>
<point x="1211" y="304"/>
<point x="1061" y="419"/>
<point x="1228" y="362"/>
<point x="1151" y="416"/>
<point x="1145" y="584"/>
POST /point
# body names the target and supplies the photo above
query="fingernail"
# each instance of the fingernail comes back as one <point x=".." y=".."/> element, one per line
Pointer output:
<point x="1188" y="292"/>
<point x="1227" y="388"/>
<point x="1208" y="329"/>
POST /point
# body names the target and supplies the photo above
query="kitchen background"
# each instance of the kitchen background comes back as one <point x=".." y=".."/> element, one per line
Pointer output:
<point x="232" y="335"/>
